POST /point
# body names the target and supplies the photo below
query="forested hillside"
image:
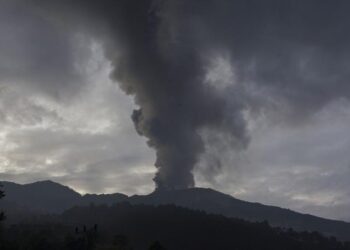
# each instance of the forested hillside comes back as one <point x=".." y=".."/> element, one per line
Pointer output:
<point x="126" y="226"/>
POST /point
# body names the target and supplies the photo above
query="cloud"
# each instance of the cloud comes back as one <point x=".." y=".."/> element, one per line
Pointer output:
<point x="36" y="53"/>
<point x="161" y="53"/>
<point x="250" y="96"/>
<point x="88" y="142"/>
<point x="304" y="168"/>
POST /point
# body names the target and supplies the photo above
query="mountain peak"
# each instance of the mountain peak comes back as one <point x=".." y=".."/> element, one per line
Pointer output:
<point x="50" y="182"/>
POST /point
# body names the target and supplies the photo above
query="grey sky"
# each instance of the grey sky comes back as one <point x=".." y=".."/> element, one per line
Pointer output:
<point x="282" y="139"/>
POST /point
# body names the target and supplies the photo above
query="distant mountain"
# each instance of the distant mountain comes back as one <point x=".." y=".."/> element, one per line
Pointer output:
<point x="50" y="197"/>
<point x="214" y="202"/>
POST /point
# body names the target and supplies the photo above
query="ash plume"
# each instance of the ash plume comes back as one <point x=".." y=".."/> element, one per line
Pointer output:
<point x="166" y="75"/>
<point x="165" y="72"/>
<point x="290" y="57"/>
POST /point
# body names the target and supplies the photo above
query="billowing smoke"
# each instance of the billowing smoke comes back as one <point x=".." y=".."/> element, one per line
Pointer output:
<point x="156" y="61"/>
<point x="287" y="56"/>
<point x="166" y="73"/>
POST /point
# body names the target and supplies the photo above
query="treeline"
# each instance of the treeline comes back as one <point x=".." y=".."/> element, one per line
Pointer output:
<point x="60" y="237"/>
<point x="125" y="226"/>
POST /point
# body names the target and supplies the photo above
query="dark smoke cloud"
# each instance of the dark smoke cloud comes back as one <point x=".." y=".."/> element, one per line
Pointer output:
<point x="292" y="56"/>
<point x="296" y="52"/>
<point x="36" y="53"/>
<point x="166" y="76"/>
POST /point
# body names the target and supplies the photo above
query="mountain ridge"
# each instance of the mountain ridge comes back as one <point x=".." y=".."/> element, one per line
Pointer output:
<point x="41" y="197"/>
<point x="51" y="197"/>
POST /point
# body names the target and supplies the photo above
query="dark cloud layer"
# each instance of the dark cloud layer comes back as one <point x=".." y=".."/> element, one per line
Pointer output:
<point x="289" y="59"/>
<point x="35" y="52"/>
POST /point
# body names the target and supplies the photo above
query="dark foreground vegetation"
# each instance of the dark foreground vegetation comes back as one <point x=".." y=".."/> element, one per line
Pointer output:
<point x="125" y="226"/>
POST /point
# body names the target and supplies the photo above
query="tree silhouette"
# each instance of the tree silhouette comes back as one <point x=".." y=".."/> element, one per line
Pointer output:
<point x="125" y="226"/>
<point x="2" y="194"/>
<point x="2" y="217"/>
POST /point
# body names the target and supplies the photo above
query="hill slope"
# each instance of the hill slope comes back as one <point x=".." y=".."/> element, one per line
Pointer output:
<point x="126" y="226"/>
<point x="215" y="202"/>
<point x="50" y="197"/>
<point x="180" y="228"/>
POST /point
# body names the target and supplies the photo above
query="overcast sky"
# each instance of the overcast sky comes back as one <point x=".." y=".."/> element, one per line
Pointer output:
<point x="64" y="117"/>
